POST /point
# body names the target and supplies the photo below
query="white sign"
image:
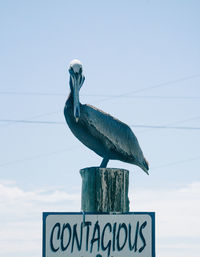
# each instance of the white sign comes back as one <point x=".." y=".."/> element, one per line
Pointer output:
<point x="99" y="235"/>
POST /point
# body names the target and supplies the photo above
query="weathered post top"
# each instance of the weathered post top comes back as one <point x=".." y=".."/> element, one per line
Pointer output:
<point x="104" y="190"/>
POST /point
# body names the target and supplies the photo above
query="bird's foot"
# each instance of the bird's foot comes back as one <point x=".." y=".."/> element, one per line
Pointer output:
<point x="104" y="163"/>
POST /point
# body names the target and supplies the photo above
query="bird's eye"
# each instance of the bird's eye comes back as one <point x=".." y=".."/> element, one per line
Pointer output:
<point x="71" y="71"/>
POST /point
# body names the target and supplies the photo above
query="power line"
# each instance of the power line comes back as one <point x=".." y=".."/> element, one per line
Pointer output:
<point x="166" y="127"/>
<point x="171" y="125"/>
<point x="135" y="125"/>
<point x="33" y="121"/>
<point x="75" y="147"/>
<point x="10" y="121"/>
<point x="31" y="93"/>
<point x="176" y="162"/>
<point x="127" y="94"/>
<point x="37" y="156"/>
<point x="103" y="95"/>
<point x="101" y="100"/>
<point x="150" y="97"/>
<point x="171" y="82"/>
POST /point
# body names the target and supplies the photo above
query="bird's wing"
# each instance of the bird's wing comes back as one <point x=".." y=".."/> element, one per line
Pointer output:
<point x="117" y="132"/>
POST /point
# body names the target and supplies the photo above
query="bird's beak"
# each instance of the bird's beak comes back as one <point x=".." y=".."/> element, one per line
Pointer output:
<point x="76" y="105"/>
<point x="77" y="81"/>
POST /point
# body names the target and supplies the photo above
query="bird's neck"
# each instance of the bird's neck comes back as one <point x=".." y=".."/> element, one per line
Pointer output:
<point x="70" y="99"/>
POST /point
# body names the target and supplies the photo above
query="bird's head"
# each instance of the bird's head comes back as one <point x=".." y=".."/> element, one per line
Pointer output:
<point x="76" y="74"/>
<point x="76" y="81"/>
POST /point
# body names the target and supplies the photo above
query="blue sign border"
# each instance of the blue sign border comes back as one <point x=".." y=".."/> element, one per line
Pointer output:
<point x="45" y="214"/>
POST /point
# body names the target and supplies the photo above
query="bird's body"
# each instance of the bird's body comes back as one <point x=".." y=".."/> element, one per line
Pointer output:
<point x="102" y="133"/>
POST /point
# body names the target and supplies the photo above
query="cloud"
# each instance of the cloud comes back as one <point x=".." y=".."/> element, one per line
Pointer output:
<point x="21" y="217"/>
<point x="176" y="210"/>
<point x="177" y="217"/>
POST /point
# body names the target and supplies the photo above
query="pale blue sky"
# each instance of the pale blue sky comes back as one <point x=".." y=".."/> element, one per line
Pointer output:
<point x="125" y="46"/>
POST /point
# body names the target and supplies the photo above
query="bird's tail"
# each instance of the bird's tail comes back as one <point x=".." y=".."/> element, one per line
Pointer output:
<point x="145" y="166"/>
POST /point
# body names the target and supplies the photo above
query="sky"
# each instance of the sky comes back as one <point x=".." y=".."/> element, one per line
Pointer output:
<point x="141" y="60"/>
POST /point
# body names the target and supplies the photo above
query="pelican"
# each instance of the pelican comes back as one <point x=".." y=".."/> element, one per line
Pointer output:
<point x="105" y="135"/>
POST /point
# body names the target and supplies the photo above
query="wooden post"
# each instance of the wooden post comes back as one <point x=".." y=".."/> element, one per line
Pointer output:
<point x="104" y="190"/>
